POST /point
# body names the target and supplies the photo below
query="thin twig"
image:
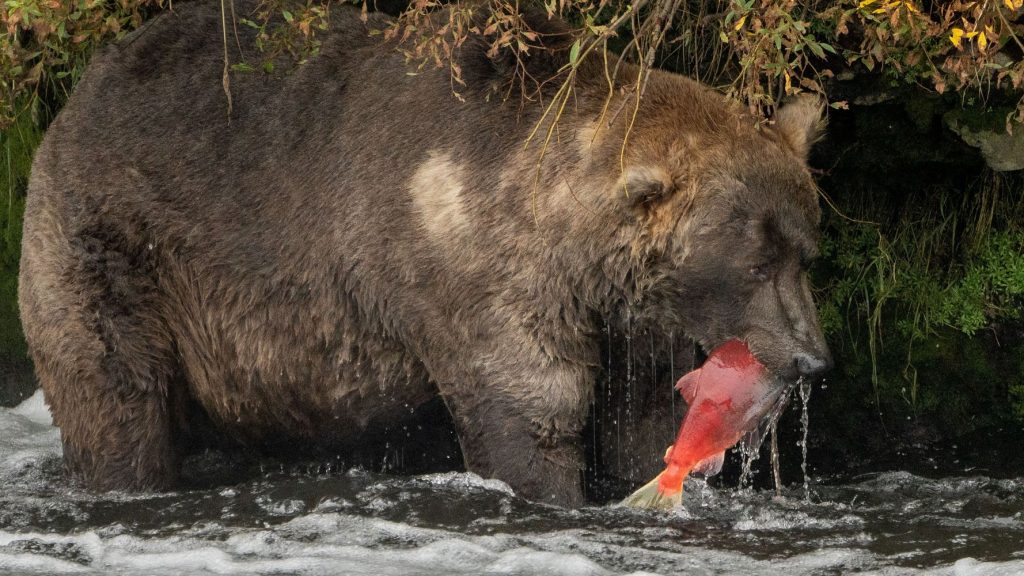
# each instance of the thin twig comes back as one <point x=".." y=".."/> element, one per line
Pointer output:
<point x="234" y="24"/>
<point x="226" y="77"/>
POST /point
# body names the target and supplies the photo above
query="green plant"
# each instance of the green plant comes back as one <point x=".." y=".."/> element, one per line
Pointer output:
<point x="894" y="287"/>
<point x="17" y="143"/>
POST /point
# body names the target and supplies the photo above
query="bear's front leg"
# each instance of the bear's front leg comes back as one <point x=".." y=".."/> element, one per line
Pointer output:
<point x="526" y="433"/>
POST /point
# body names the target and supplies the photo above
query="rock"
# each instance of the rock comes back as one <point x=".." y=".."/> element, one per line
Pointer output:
<point x="873" y="98"/>
<point x="1003" y="151"/>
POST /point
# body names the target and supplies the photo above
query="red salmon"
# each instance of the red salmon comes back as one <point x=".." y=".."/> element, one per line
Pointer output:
<point x="727" y="396"/>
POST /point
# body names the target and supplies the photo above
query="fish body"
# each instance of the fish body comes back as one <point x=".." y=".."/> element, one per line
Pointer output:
<point x="727" y="396"/>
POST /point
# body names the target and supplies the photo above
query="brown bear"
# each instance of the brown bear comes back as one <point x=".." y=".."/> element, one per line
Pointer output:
<point x="350" y="241"/>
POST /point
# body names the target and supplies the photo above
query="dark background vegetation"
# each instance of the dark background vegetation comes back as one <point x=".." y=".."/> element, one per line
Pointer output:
<point x="921" y="280"/>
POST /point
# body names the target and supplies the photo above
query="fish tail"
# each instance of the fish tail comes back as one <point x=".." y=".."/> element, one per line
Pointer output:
<point x="651" y="496"/>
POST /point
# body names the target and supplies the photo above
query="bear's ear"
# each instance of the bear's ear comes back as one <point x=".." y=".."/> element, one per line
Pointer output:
<point x="547" y="57"/>
<point x="646" y="185"/>
<point x="800" y="123"/>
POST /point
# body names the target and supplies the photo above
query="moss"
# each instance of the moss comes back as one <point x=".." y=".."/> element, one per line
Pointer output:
<point x="980" y="118"/>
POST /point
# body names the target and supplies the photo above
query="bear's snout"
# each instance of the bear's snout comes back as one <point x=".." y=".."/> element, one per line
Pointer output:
<point x="812" y="365"/>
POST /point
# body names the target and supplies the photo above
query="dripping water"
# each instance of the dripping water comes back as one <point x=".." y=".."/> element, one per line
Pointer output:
<point x="750" y="445"/>
<point x="805" y="396"/>
<point x="750" y="448"/>
<point x="776" y="474"/>
<point x="654" y="369"/>
<point x="618" y="405"/>
<point x="630" y="385"/>
<point x="672" y="374"/>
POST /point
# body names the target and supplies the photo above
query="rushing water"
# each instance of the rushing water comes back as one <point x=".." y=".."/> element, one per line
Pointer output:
<point x="317" y="520"/>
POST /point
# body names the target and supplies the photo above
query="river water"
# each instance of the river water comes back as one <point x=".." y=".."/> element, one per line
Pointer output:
<point x="322" y="520"/>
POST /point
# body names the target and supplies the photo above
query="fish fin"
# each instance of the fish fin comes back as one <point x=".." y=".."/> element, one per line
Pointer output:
<point x="650" y="496"/>
<point x="687" y="385"/>
<point x="711" y="465"/>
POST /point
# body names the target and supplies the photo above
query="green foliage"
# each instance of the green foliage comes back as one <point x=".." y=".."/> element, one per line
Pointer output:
<point x="909" y="272"/>
<point x="44" y="42"/>
<point x="990" y="286"/>
<point x="17" y="144"/>
<point x="759" y="50"/>
<point x="1017" y="396"/>
<point x="903" y="298"/>
<point x="297" y="38"/>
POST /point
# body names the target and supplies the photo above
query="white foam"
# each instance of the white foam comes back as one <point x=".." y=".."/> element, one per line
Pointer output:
<point x="525" y="560"/>
<point x="31" y="563"/>
<point x="34" y="409"/>
<point x="27" y="436"/>
<point x="466" y="480"/>
<point x="842" y="560"/>
<point x="962" y="567"/>
<point x="335" y="543"/>
<point x="972" y="567"/>
<point x="698" y="560"/>
<point x="288" y="507"/>
<point x="269" y="551"/>
<point x="773" y="520"/>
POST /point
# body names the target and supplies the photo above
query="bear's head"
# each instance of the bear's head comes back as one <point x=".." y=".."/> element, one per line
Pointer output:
<point x="702" y="221"/>
<point x="720" y="220"/>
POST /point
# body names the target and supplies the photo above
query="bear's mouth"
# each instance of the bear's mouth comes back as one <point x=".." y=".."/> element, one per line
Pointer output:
<point x="786" y="377"/>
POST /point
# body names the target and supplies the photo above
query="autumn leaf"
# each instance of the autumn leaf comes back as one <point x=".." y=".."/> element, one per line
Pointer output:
<point x="956" y="36"/>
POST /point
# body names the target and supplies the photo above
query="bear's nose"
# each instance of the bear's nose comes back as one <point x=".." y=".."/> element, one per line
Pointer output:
<point x="812" y="366"/>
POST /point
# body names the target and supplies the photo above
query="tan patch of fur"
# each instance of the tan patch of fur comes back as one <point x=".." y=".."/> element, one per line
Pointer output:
<point x="436" y="188"/>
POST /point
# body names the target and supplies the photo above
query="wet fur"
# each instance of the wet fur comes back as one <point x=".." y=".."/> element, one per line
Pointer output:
<point x="273" y="266"/>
